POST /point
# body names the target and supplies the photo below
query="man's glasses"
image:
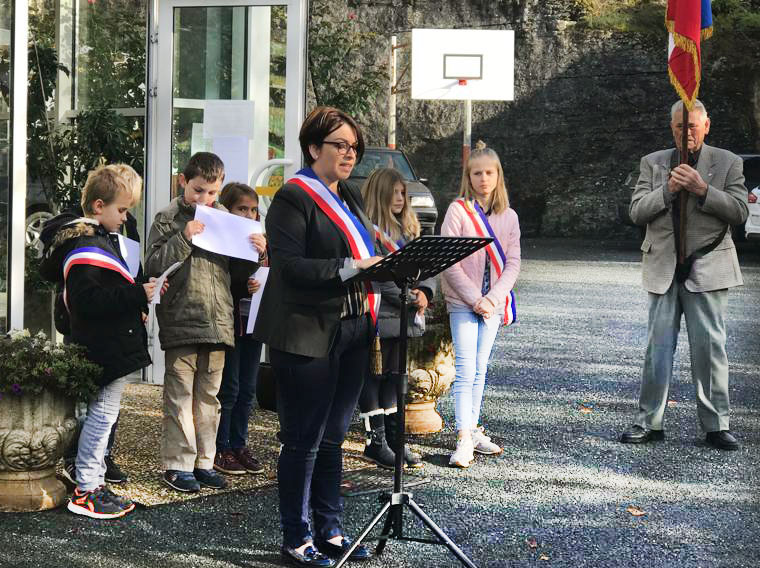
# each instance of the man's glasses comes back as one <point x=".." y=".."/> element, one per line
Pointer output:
<point x="342" y="147"/>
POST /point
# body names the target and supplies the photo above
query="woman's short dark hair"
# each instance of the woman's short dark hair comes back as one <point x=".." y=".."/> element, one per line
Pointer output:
<point x="320" y="123"/>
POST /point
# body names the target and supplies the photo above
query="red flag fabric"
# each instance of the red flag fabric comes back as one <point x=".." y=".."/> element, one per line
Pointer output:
<point x="688" y="21"/>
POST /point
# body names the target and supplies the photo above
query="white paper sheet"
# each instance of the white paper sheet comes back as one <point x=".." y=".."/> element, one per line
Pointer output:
<point x="225" y="118"/>
<point x="261" y="275"/>
<point x="226" y="234"/>
<point x="130" y="252"/>
<point x="160" y="282"/>
<point x="197" y="142"/>
<point x="493" y="321"/>
<point x="233" y="151"/>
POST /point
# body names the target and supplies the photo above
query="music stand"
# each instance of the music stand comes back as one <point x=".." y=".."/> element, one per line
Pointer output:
<point x="422" y="258"/>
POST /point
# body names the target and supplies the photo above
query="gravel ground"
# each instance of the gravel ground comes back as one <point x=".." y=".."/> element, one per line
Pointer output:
<point x="563" y="384"/>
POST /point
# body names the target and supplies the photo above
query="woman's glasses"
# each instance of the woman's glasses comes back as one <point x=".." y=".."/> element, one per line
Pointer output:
<point x="342" y="147"/>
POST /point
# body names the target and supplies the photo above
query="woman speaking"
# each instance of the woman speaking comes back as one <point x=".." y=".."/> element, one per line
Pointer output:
<point x="318" y="330"/>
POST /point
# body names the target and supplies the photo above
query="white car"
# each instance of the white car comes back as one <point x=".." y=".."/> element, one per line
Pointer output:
<point x="752" y="181"/>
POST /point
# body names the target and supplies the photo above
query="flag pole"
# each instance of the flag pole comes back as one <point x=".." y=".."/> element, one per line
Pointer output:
<point x="684" y="196"/>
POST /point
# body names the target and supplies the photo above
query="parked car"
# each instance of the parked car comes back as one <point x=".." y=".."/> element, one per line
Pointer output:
<point x="752" y="181"/>
<point x="420" y="196"/>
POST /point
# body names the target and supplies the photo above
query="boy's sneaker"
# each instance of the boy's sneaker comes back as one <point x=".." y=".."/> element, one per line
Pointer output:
<point x="246" y="459"/>
<point x="482" y="444"/>
<point x="69" y="471"/>
<point x="181" y="481"/>
<point x="99" y="503"/>
<point x="114" y="474"/>
<point x="226" y="462"/>
<point x="462" y="456"/>
<point x="209" y="478"/>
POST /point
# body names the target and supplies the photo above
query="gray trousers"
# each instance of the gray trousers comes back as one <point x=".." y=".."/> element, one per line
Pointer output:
<point x="706" y="330"/>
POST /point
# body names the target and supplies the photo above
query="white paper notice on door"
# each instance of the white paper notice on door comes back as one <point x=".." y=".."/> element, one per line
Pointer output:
<point x="225" y="233"/>
<point x="261" y="275"/>
<point x="228" y="119"/>
<point x="233" y="152"/>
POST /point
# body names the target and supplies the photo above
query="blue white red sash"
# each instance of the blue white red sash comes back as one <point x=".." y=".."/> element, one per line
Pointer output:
<point x="388" y="243"/>
<point x="359" y="240"/>
<point x="494" y="250"/>
<point x="94" y="256"/>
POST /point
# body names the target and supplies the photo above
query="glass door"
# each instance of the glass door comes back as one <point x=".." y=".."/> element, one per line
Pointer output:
<point x="228" y="78"/>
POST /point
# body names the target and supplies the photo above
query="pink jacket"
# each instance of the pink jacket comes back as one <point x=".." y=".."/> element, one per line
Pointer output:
<point x="463" y="282"/>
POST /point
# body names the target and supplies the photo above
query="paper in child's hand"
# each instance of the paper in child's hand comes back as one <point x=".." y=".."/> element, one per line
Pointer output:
<point x="160" y="282"/>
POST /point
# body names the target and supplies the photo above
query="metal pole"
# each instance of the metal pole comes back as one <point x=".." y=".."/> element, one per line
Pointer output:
<point x="684" y="196"/>
<point x="392" y="97"/>
<point x="467" y="140"/>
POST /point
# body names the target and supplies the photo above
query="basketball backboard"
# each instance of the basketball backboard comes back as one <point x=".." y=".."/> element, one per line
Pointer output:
<point x="463" y="64"/>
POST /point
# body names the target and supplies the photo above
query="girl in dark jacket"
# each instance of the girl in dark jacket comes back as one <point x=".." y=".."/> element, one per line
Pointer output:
<point x="387" y="205"/>
<point x="241" y="363"/>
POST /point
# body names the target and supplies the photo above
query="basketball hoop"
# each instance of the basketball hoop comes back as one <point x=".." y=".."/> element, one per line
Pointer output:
<point x="463" y="82"/>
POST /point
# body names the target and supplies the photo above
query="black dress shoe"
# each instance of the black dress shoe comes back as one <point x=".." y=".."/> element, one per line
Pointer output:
<point x="310" y="557"/>
<point x="337" y="550"/>
<point x="638" y="435"/>
<point x="722" y="440"/>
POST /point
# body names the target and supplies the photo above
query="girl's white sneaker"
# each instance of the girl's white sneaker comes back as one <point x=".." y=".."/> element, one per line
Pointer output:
<point x="463" y="455"/>
<point x="482" y="444"/>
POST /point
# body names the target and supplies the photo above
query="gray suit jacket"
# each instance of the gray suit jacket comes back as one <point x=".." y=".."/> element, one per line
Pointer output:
<point x="725" y="203"/>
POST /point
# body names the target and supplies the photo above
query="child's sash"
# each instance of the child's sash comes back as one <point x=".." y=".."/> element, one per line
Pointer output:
<point x="359" y="239"/>
<point x="94" y="256"/>
<point x="494" y="250"/>
<point x="389" y="244"/>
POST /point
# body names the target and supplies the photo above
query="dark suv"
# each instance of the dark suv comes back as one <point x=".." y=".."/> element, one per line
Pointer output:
<point x="421" y="199"/>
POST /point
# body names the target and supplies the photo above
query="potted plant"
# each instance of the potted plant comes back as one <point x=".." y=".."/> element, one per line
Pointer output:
<point x="40" y="382"/>
<point x="431" y="370"/>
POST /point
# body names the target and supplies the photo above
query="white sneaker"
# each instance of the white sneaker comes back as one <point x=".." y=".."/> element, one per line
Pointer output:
<point x="462" y="456"/>
<point x="483" y="444"/>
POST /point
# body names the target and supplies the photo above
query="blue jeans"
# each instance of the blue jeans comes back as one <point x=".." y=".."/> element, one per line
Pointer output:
<point x="102" y="412"/>
<point x="316" y="399"/>
<point x="236" y="393"/>
<point x="473" y="341"/>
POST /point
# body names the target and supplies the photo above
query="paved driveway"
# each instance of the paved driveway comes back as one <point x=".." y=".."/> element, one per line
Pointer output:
<point x="563" y="385"/>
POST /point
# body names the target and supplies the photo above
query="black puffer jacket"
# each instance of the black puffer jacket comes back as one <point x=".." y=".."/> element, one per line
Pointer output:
<point x="105" y="309"/>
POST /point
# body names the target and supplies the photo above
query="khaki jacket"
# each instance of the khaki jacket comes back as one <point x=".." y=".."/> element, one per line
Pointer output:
<point x="197" y="307"/>
<point x="724" y="204"/>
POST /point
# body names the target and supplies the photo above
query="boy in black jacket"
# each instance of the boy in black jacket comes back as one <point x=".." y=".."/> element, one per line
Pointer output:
<point x="105" y="308"/>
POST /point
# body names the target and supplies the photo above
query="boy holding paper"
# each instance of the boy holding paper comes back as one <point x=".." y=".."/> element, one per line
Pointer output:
<point x="104" y="307"/>
<point x="196" y="324"/>
<point x="241" y="363"/>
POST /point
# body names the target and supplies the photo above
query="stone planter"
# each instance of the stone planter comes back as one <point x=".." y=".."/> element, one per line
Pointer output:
<point x="34" y="431"/>
<point x="431" y="372"/>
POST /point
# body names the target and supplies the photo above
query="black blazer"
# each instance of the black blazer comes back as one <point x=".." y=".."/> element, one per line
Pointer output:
<point x="302" y="300"/>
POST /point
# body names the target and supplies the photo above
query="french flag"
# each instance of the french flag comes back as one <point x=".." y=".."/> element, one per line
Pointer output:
<point x="688" y="22"/>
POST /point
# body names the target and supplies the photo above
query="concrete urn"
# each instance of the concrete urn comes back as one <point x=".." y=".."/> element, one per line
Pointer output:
<point x="431" y="371"/>
<point x="34" y="431"/>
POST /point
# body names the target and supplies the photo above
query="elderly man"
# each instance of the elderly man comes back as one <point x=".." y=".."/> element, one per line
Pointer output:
<point x="697" y="288"/>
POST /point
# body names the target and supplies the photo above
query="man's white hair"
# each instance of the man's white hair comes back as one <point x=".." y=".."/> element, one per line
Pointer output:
<point x="678" y="108"/>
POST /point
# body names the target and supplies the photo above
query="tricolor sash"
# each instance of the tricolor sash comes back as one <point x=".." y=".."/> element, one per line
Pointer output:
<point x="359" y="240"/>
<point x="94" y="256"/>
<point x="389" y="244"/>
<point x="494" y="251"/>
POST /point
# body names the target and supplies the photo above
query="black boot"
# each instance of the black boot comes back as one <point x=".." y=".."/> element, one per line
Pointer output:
<point x="378" y="450"/>
<point x="411" y="459"/>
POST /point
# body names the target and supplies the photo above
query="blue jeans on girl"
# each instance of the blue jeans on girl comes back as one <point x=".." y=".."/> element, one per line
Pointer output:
<point x="473" y="341"/>
<point x="236" y="393"/>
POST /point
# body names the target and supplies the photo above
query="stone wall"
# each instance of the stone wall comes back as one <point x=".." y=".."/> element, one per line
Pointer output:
<point x="588" y="104"/>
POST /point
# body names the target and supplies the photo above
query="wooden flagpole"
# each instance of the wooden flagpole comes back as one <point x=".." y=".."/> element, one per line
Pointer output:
<point x="683" y="194"/>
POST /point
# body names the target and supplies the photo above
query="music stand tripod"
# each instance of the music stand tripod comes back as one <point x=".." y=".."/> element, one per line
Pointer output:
<point x="422" y="258"/>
